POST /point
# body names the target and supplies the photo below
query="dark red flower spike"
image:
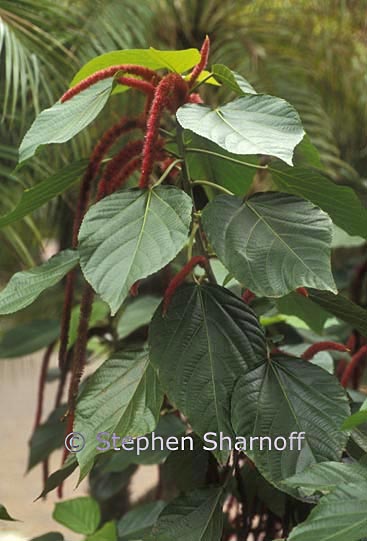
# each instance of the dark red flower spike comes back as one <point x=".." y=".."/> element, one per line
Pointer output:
<point x="248" y="296"/>
<point x="302" y="291"/>
<point x="204" y="55"/>
<point x="146" y="74"/>
<point x="353" y="365"/>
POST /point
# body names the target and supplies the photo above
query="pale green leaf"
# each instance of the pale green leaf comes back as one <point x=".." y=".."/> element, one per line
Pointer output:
<point x="81" y="515"/>
<point x="272" y="243"/>
<point x="358" y="418"/>
<point x="106" y="533"/>
<point x="232" y="79"/>
<point x="62" y="121"/>
<point x="129" y="235"/>
<point x="25" y="286"/>
<point x="253" y="124"/>
<point x="122" y="396"/>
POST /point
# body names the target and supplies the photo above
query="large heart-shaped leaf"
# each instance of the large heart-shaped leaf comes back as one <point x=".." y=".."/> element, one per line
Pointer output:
<point x="290" y="395"/>
<point x="62" y="121"/>
<point x="272" y="243"/>
<point x="24" y="287"/>
<point x="122" y="396"/>
<point x="340" y="202"/>
<point x="33" y="198"/>
<point x="253" y="124"/>
<point x="340" y="516"/>
<point x="178" y="61"/>
<point x="196" y="516"/>
<point x="205" y="342"/>
<point x="129" y="235"/>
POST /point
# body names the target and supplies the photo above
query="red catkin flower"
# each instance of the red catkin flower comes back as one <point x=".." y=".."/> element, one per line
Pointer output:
<point x="180" y="277"/>
<point x="134" y="290"/>
<point x="195" y="98"/>
<point x="248" y="296"/>
<point x="353" y="365"/>
<point x="164" y="95"/>
<point x="204" y="55"/>
<point x="129" y="151"/>
<point x="322" y="346"/>
<point x="302" y="291"/>
<point x="146" y="74"/>
<point x="119" y="179"/>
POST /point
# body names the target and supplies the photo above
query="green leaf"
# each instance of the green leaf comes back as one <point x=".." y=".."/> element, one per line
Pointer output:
<point x="33" y="198"/>
<point x="302" y="307"/>
<point x="138" y="522"/>
<point x="327" y="476"/>
<point x="340" y="202"/>
<point x="196" y="516"/>
<point x="4" y="515"/>
<point x="62" y="121"/>
<point x="178" y="61"/>
<point x="51" y="536"/>
<point x="290" y="395"/>
<point x="342" y="308"/>
<point x="122" y="396"/>
<point x="340" y="516"/>
<point x="46" y="438"/>
<point x="137" y="314"/>
<point x="28" y="338"/>
<point x="106" y="533"/>
<point x="100" y="313"/>
<point x="358" y="418"/>
<point x="232" y="80"/>
<point x="60" y="475"/>
<point x="24" y="287"/>
<point x="272" y="243"/>
<point x="253" y="124"/>
<point x="129" y="235"/>
<point x="81" y="515"/>
<point x="205" y="342"/>
<point x="233" y="175"/>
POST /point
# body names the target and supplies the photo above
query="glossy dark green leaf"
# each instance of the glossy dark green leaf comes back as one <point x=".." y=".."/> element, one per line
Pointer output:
<point x="196" y="516"/>
<point x="340" y="202"/>
<point x="252" y="124"/>
<point x="123" y="397"/>
<point x="232" y="80"/>
<point x="207" y="161"/>
<point x="51" y="536"/>
<point x="290" y="395"/>
<point x="33" y="198"/>
<point x="342" y="308"/>
<point x="327" y="476"/>
<point x="205" y="342"/>
<point x="27" y="338"/>
<point x="177" y="61"/>
<point x="129" y="235"/>
<point x="24" y="287"/>
<point x="62" y="121"/>
<point x="266" y="243"/>
<point x="46" y="438"/>
<point x="139" y="521"/>
<point x="340" y="516"/>
<point x="81" y="515"/>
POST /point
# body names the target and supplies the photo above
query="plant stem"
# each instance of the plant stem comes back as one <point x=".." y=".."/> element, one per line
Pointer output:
<point x="163" y="177"/>
<point x="228" y="158"/>
<point x="213" y="185"/>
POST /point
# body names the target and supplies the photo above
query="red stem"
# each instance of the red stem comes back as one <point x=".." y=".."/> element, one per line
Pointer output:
<point x="180" y="277"/>
<point x="248" y="296"/>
